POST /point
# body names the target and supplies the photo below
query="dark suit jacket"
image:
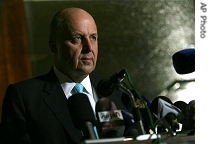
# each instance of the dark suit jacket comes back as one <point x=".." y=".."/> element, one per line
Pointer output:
<point x="35" y="111"/>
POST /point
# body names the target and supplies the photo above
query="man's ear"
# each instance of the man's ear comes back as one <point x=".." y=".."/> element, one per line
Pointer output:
<point x="53" y="48"/>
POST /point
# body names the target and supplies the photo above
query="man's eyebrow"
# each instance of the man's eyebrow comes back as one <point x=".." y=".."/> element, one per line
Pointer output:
<point x="94" y="33"/>
<point x="79" y="33"/>
<point x="76" y="33"/>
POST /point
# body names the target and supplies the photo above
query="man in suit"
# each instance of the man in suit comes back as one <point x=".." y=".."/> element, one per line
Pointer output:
<point x="35" y="111"/>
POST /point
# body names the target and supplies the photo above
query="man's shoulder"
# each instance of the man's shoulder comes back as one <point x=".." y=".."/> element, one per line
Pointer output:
<point x="35" y="80"/>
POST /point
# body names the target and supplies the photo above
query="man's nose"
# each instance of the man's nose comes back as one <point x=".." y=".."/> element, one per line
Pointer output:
<point x="87" y="46"/>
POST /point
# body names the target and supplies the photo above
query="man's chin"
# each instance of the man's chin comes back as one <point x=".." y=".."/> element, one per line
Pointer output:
<point x="87" y="70"/>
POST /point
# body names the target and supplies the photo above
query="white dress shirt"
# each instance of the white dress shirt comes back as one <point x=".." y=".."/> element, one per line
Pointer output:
<point x="67" y="85"/>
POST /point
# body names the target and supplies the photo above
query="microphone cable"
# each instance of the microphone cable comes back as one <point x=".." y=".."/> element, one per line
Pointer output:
<point x="148" y="111"/>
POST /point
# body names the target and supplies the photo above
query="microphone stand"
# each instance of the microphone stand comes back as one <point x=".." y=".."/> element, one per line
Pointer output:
<point x="136" y="112"/>
<point x="163" y="122"/>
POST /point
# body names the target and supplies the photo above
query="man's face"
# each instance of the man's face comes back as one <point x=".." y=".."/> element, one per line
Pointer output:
<point x="77" y="47"/>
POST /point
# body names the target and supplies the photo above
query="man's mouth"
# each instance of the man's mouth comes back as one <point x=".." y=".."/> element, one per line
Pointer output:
<point x="86" y="60"/>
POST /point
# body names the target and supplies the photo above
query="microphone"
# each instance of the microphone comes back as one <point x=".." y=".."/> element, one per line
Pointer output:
<point x="183" y="107"/>
<point x="141" y="105"/>
<point x="106" y="87"/>
<point x="110" y="120"/>
<point x="154" y="103"/>
<point x="164" y="109"/>
<point x="130" y="125"/>
<point x="184" y="61"/>
<point x="189" y="123"/>
<point x="191" y="107"/>
<point x="82" y="114"/>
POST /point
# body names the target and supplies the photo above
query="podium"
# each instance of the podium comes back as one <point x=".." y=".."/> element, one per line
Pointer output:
<point x="180" y="138"/>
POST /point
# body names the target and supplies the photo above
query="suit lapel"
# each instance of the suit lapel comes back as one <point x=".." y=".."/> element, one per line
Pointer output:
<point x="94" y="81"/>
<point x="57" y="103"/>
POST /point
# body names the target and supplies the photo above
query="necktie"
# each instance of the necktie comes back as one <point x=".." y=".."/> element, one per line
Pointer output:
<point x="78" y="88"/>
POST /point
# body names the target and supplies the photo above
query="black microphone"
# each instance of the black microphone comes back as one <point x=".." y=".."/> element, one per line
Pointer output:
<point x="154" y="103"/>
<point x="189" y="123"/>
<point x="191" y="107"/>
<point x="164" y="109"/>
<point x="110" y="120"/>
<point x="82" y="114"/>
<point x="184" y="61"/>
<point x="106" y="87"/>
<point x="183" y="107"/>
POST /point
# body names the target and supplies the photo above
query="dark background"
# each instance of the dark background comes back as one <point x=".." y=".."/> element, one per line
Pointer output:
<point x="138" y="35"/>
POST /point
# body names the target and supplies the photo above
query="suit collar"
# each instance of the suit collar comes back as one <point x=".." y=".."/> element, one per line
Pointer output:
<point x="57" y="103"/>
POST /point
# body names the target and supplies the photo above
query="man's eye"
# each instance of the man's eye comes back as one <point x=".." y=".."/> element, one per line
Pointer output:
<point x="76" y="39"/>
<point x="94" y="38"/>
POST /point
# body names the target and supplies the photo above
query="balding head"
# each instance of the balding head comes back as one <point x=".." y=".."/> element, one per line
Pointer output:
<point x="65" y="17"/>
<point x="73" y="41"/>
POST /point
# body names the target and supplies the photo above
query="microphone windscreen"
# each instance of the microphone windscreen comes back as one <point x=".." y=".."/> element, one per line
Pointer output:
<point x="80" y="110"/>
<point x="181" y="105"/>
<point x="155" y="102"/>
<point x="105" y="87"/>
<point x="162" y="106"/>
<point x="191" y="108"/>
<point x="105" y="104"/>
<point x="184" y="61"/>
<point x="130" y="126"/>
<point x="110" y="120"/>
<point x="192" y="103"/>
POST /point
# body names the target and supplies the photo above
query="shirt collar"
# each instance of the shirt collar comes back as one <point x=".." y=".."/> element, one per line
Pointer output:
<point x="67" y="84"/>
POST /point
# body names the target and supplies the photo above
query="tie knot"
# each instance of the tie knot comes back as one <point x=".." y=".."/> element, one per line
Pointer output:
<point x="78" y="88"/>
